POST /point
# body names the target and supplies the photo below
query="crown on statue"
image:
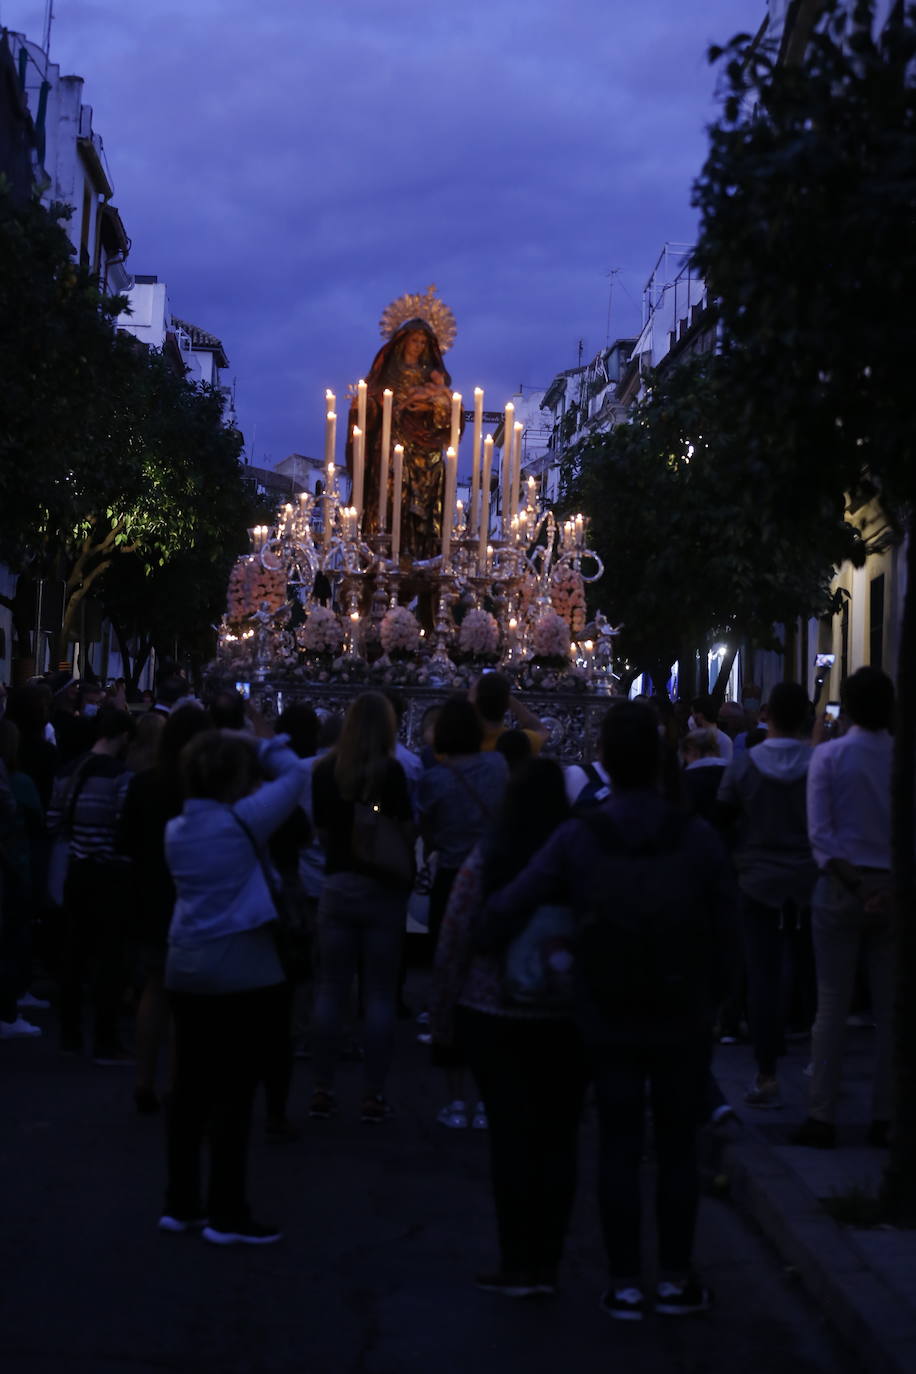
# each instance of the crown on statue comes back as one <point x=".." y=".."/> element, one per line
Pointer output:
<point x="427" y="307"/>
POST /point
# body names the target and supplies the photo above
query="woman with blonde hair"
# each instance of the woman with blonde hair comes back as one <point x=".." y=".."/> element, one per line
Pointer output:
<point x="361" y="809"/>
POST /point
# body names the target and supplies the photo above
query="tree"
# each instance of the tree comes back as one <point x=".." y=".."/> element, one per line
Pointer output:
<point x="677" y="521"/>
<point x="807" y="203"/>
<point x="105" y="450"/>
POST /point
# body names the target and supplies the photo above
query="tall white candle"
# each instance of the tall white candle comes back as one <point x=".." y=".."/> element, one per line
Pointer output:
<point x="456" y="421"/>
<point x="398" y="473"/>
<point x="330" y="400"/>
<point x="485" y="503"/>
<point x="330" y="436"/>
<point x="448" y="501"/>
<point x="506" y="461"/>
<point x="328" y="503"/>
<point x="518" y="427"/>
<point x="387" y="398"/>
<point x="475" y="460"/>
<point x="359" y="451"/>
<point x="362" y="392"/>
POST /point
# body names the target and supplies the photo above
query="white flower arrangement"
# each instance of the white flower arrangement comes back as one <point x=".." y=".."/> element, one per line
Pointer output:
<point x="399" y="631"/>
<point x="478" y="634"/>
<point x="322" y="632"/>
<point x="550" y="637"/>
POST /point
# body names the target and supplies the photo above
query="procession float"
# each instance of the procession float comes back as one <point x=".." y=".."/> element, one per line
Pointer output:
<point x="382" y="577"/>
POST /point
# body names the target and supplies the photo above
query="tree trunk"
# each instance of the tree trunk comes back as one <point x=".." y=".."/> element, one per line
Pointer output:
<point x="898" y="1190"/>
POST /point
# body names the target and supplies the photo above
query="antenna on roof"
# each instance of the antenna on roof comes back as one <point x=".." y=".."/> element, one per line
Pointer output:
<point x="49" y="20"/>
<point x="610" y="274"/>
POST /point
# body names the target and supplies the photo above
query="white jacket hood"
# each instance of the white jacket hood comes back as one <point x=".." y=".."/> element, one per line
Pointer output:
<point x="781" y="760"/>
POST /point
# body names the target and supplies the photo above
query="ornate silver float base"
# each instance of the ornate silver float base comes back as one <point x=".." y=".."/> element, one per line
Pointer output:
<point x="573" y="719"/>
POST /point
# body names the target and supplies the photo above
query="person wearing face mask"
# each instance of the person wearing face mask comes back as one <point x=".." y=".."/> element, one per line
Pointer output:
<point x="703" y="713"/>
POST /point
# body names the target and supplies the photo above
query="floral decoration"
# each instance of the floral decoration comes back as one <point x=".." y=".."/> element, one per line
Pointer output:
<point x="479" y="634"/>
<point x="550" y="637"/>
<point x="399" y="631"/>
<point x="567" y="596"/>
<point x="322" y="632"/>
<point x="250" y="586"/>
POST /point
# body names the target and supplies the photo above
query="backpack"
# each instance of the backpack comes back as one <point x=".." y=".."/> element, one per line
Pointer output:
<point x="644" y="950"/>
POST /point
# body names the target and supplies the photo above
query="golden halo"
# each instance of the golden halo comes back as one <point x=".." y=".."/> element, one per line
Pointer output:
<point x="427" y="307"/>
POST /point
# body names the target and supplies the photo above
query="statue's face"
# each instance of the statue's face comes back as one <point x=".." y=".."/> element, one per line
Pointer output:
<point x="414" y="346"/>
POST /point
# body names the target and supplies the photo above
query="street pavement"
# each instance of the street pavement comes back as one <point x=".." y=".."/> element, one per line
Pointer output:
<point x="385" y="1227"/>
<point x="862" y="1278"/>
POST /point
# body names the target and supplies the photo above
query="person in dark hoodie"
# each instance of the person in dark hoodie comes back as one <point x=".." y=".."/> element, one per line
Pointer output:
<point x="652" y="892"/>
<point x="763" y="791"/>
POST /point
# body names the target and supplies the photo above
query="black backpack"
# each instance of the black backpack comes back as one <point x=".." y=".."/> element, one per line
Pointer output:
<point x="644" y="950"/>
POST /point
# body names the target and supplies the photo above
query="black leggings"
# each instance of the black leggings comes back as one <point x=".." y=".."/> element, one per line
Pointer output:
<point x="531" y="1079"/>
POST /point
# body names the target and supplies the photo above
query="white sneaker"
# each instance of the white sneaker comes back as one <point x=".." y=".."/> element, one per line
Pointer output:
<point x="455" y="1116"/>
<point x="479" y="1121"/>
<point x="20" y="1029"/>
<point x="32" y="1002"/>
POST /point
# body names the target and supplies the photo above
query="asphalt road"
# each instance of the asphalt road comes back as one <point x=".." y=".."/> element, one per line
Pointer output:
<point x="385" y="1227"/>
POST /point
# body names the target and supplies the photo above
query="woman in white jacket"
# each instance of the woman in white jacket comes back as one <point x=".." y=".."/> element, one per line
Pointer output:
<point x="223" y="974"/>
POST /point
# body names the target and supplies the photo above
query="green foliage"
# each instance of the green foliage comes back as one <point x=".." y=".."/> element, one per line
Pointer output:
<point x="676" y="515"/>
<point x="106" y="452"/>
<point x="807" y="203"/>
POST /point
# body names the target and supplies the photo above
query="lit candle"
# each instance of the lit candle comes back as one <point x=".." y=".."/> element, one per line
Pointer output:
<point x="448" y="501"/>
<point x="328" y="504"/>
<point x="489" y="566"/>
<point x="456" y="421"/>
<point x="580" y="531"/>
<point x="359" y="452"/>
<point x="330" y="436"/>
<point x="532" y="494"/>
<point x="513" y="529"/>
<point x="387" y="398"/>
<point x="516" y="465"/>
<point x="473" y="513"/>
<point x="330" y="400"/>
<point x="362" y="392"/>
<point x="485" y="503"/>
<point x="459" y="516"/>
<point x="508" y="440"/>
<point x="396" y="502"/>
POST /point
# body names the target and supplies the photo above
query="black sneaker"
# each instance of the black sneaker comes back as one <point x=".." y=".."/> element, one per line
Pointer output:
<point x="682" y="1299"/>
<point x="820" y="1135"/>
<point x="245" y="1233"/>
<point x="323" y="1104"/>
<point x="624" y="1304"/>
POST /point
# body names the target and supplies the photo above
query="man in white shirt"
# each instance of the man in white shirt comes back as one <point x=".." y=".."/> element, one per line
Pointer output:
<point x="849" y="827"/>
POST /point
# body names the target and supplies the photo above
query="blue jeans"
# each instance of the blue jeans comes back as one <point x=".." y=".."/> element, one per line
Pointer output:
<point x="677" y="1077"/>
<point x="360" y="928"/>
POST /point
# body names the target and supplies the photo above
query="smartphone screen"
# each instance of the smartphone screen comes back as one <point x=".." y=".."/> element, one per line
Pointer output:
<point x="832" y="710"/>
<point x="244" y="689"/>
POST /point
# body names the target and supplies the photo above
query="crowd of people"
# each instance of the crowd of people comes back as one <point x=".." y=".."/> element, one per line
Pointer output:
<point x="237" y="888"/>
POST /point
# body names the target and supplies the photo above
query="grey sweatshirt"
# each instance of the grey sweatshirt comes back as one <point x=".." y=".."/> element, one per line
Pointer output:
<point x="766" y="786"/>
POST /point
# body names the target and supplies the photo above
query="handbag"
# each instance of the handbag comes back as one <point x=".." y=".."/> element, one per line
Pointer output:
<point x="538" y="964"/>
<point x="380" y="846"/>
<point x="289" y="930"/>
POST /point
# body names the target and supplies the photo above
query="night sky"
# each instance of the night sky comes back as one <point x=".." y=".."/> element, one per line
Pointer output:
<point x="289" y="167"/>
